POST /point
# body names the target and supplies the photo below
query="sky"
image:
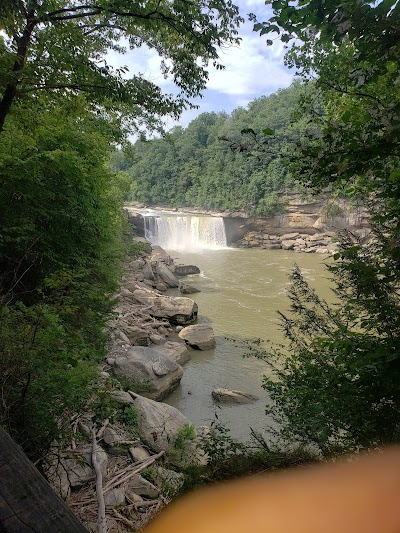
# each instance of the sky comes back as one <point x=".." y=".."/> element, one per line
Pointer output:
<point x="252" y="69"/>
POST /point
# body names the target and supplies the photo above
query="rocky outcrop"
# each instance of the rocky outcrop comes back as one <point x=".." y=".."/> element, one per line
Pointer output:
<point x="176" y="309"/>
<point x="297" y="242"/>
<point x="233" y="396"/>
<point x="148" y="371"/>
<point x="199" y="336"/>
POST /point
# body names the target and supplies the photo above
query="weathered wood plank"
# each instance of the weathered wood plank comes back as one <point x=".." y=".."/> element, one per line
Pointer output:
<point x="27" y="502"/>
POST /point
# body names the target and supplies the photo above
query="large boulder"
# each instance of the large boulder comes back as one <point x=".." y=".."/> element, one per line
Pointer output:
<point x="148" y="371"/>
<point x="176" y="350"/>
<point x="158" y="423"/>
<point x="162" y="426"/>
<point x="178" y="310"/>
<point x="233" y="396"/>
<point x="166" y="275"/>
<point x="185" y="270"/>
<point x="198" y="336"/>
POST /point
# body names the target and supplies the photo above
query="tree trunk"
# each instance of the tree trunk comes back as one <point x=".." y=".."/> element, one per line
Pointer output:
<point x="10" y="91"/>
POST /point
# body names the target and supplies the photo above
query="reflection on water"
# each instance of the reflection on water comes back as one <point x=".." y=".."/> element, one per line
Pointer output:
<point x="241" y="292"/>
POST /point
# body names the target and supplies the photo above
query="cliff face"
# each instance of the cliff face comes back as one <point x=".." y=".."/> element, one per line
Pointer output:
<point x="304" y="215"/>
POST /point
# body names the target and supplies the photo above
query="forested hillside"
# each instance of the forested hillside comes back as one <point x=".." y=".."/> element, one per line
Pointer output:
<point x="207" y="165"/>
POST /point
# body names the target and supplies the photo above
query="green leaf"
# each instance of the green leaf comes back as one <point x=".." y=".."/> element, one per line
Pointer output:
<point x="268" y="131"/>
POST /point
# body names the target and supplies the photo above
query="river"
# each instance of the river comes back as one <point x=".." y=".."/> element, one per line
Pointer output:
<point x="241" y="292"/>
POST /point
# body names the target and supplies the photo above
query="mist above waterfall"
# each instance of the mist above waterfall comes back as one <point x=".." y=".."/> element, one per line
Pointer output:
<point x="185" y="232"/>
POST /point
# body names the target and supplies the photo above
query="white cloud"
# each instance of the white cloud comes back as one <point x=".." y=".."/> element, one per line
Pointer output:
<point x="252" y="69"/>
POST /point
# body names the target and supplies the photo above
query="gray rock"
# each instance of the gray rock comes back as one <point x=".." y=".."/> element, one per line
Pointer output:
<point x="185" y="270"/>
<point x="139" y="485"/>
<point x="114" y="497"/>
<point x="233" y="396"/>
<point x="148" y="271"/>
<point x="105" y="375"/>
<point x="177" y="351"/>
<point x="166" y="275"/>
<point x="158" y="423"/>
<point x="111" y="436"/>
<point x="316" y="237"/>
<point x="272" y="246"/>
<point x="185" y="288"/>
<point x="110" y="360"/>
<point x="160" y="286"/>
<point x="178" y="310"/>
<point x="289" y="236"/>
<point x="122" y="397"/>
<point x="75" y="469"/>
<point x="288" y="245"/>
<point x="158" y="254"/>
<point x="178" y="329"/>
<point x="135" y="498"/>
<point x="125" y="293"/>
<point x="138" y="453"/>
<point x="148" y="371"/>
<point x="136" y="336"/>
<point x="156" y="339"/>
<point x="118" y="334"/>
<point x="137" y="264"/>
<point x="198" y="336"/>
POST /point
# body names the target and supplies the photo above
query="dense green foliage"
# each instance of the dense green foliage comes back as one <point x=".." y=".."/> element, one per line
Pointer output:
<point x="339" y="387"/>
<point x="60" y="248"/>
<point x="206" y="165"/>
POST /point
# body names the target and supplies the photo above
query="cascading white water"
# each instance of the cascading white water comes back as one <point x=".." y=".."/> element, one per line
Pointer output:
<point x="185" y="232"/>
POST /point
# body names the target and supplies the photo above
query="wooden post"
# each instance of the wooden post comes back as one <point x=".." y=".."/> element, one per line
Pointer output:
<point x="27" y="502"/>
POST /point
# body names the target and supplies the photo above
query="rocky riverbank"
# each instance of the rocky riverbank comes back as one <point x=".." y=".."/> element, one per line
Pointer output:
<point x="132" y="445"/>
<point x="320" y="243"/>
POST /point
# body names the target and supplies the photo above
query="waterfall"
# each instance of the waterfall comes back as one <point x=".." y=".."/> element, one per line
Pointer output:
<point x="184" y="232"/>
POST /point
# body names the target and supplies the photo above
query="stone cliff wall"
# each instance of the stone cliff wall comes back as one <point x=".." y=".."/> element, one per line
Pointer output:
<point x="306" y="215"/>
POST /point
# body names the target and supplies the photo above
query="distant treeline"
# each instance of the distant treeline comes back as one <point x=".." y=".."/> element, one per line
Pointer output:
<point x="221" y="161"/>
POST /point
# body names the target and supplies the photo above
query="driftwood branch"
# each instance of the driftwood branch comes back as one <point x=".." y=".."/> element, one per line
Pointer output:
<point x="130" y="471"/>
<point x="102" y="520"/>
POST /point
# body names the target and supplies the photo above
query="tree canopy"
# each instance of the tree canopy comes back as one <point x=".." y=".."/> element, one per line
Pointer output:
<point x="59" y="49"/>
